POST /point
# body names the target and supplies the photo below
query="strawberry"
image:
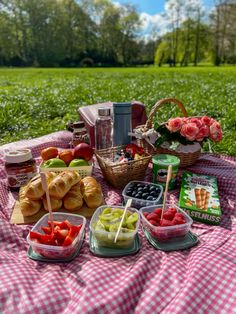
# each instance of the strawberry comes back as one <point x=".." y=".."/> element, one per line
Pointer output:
<point x="166" y="223"/>
<point x="168" y="215"/>
<point x="153" y="222"/>
<point x="158" y="211"/>
<point x="153" y="216"/>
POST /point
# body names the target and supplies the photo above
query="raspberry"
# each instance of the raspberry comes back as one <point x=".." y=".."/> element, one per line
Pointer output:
<point x="153" y="216"/>
<point x="172" y="210"/>
<point x="166" y="223"/>
<point x="153" y="222"/>
<point x="145" y="214"/>
<point x="179" y="215"/>
<point x="178" y="221"/>
<point x="168" y="215"/>
<point x="158" y="211"/>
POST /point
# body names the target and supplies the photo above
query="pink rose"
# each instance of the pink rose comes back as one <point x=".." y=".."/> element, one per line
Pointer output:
<point x="206" y="120"/>
<point x="215" y="128"/>
<point x="189" y="130"/>
<point x="204" y="131"/>
<point x="216" y="137"/>
<point x="184" y="120"/>
<point x="197" y="121"/>
<point x="174" y="125"/>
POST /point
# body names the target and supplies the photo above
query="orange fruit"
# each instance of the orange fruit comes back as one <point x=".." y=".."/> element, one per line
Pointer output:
<point x="66" y="155"/>
<point x="48" y="153"/>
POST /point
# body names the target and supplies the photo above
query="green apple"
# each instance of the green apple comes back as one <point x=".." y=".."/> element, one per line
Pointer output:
<point x="54" y="163"/>
<point x="78" y="163"/>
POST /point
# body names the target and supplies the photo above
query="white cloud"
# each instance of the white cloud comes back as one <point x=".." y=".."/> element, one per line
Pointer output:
<point x="153" y="24"/>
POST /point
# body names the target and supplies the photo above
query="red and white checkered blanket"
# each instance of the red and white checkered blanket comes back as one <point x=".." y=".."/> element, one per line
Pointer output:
<point x="197" y="280"/>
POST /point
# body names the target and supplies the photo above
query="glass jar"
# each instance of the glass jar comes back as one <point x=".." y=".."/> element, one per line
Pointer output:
<point x="103" y="129"/>
<point x="20" y="167"/>
<point x="80" y="134"/>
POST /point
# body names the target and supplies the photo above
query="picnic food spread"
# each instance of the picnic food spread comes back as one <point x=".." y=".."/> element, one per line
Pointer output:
<point x="148" y="232"/>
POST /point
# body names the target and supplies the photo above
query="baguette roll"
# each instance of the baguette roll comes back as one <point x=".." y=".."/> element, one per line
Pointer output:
<point x="55" y="204"/>
<point x="28" y="207"/>
<point x="92" y="192"/>
<point x="63" y="183"/>
<point x="73" y="199"/>
<point x="34" y="189"/>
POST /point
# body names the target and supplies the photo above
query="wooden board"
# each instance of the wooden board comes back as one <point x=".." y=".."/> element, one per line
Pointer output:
<point x="18" y="218"/>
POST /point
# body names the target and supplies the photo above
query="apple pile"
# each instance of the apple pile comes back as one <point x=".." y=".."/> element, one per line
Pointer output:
<point x="77" y="157"/>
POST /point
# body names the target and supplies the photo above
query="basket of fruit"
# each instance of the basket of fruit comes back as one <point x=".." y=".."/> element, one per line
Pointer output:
<point x="182" y="137"/>
<point x="122" y="164"/>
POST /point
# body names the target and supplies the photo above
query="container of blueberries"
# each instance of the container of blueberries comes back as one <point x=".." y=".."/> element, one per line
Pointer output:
<point x="143" y="193"/>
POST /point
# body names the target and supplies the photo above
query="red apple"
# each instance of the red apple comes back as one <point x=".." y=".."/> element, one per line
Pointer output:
<point x="83" y="151"/>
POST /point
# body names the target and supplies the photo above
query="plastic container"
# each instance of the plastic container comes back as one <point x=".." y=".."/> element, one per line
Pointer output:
<point x="52" y="251"/>
<point x="139" y="202"/>
<point x="106" y="238"/>
<point x="103" y="129"/>
<point x="160" y="169"/>
<point x="169" y="232"/>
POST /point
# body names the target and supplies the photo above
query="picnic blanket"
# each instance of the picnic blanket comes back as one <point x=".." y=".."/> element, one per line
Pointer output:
<point x="197" y="280"/>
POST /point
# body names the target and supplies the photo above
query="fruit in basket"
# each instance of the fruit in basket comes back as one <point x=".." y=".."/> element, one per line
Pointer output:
<point x="83" y="151"/>
<point x="54" y="163"/>
<point x="66" y="155"/>
<point x="78" y="163"/>
<point x="49" y="152"/>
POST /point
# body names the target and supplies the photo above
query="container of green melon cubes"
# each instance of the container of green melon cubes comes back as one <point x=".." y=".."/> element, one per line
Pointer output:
<point x="105" y="223"/>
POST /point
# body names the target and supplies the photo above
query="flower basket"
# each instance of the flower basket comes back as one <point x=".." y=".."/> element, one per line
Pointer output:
<point x="119" y="174"/>
<point x="187" y="156"/>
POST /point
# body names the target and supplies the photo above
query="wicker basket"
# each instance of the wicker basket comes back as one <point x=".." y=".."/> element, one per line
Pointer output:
<point x="118" y="175"/>
<point x="186" y="159"/>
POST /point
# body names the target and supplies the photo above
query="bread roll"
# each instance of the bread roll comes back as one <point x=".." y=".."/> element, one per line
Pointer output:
<point x="55" y="204"/>
<point x="92" y="192"/>
<point x="63" y="183"/>
<point x="73" y="199"/>
<point x="28" y="207"/>
<point x="34" y="189"/>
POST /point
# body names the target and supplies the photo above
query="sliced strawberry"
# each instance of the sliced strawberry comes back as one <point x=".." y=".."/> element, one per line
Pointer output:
<point x="46" y="230"/>
<point x="73" y="232"/>
<point x="153" y="216"/>
<point x="61" y="234"/>
<point x="43" y="238"/>
<point x="61" y="224"/>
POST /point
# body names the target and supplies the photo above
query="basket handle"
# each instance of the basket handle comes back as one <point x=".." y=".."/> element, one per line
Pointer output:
<point x="158" y="104"/>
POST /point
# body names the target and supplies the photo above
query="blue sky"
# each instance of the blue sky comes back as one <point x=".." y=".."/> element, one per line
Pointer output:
<point x="155" y="6"/>
<point x="153" y="21"/>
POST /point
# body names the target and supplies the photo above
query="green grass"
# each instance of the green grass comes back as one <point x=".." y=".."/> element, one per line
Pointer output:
<point x="35" y="102"/>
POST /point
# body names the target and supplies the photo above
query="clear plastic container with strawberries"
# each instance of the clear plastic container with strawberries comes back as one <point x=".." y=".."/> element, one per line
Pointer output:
<point x="175" y="223"/>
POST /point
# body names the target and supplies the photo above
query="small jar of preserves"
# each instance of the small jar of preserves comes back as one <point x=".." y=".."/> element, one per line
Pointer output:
<point x="20" y="167"/>
<point x="80" y="134"/>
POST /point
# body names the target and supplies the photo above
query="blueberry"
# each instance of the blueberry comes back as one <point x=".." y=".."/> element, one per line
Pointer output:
<point x="150" y="198"/>
<point x="145" y="196"/>
<point x="138" y="195"/>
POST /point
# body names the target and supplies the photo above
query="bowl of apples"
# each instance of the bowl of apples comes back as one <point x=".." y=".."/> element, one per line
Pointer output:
<point x="173" y="224"/>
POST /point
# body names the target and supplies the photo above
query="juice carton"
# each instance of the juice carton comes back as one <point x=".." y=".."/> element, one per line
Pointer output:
<point x="199" y="197"/>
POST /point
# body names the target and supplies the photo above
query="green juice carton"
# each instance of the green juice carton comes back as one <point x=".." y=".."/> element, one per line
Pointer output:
<point x="199" y="198"/>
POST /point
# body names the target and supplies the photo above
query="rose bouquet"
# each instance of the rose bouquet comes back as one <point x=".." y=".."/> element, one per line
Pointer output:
<point x="187" y="131"/>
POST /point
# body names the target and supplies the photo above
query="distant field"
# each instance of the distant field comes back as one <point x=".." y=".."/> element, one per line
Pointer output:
<point x="35" y="102"/>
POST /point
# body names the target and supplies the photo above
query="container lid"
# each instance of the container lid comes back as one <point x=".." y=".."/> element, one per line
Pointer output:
<point x="165" y="160"/>
<point x="20" y="155"/>
<point x="122" y="107"/>
<point x="103" y="111"/>
<point x="78" y="124"/>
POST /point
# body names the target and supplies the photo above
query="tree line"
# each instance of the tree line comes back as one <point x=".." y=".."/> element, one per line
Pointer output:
<point x="100" y="33"/>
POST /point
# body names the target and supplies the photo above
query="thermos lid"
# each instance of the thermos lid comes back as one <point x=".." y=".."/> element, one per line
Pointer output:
<point x="103" y="111"/>
<point x="122" y="107"/>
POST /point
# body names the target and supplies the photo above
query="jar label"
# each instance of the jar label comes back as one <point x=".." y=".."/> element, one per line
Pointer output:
<point x="18" y="178"/>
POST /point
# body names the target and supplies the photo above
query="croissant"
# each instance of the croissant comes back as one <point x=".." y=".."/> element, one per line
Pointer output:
<point x="63" y="183"/>
<point x="92" y="192"/>
<point x="55" y="203"/>
<point x="28" y="207"/>
<point x="34" y="189"/>
<point x="73" y="199"/>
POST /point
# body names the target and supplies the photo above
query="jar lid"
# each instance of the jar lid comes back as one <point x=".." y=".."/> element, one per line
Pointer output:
<point x="165" y="160"/>
<point x="103" y="111"/>
<point x="78" y="124"/>
<point x="20" y="155"/>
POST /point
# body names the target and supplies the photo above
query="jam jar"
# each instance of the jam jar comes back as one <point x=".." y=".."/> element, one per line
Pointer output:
<point x="20" y="167"/>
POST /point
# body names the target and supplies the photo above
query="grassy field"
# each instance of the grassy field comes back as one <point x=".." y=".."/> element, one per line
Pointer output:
<point x="34" y="102"/>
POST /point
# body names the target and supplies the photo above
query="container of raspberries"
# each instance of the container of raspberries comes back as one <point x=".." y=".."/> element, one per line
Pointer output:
<point x="175" y="223"/>
<point x="143" y="193"/>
